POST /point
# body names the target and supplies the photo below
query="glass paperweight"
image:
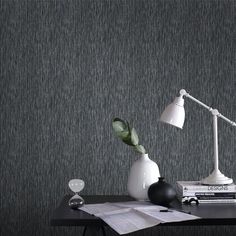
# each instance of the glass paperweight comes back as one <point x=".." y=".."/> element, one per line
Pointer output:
<point x="76" y="186"/>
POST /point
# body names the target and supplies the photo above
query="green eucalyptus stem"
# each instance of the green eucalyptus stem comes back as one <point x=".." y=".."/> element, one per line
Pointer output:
<point x="127" y="134"/>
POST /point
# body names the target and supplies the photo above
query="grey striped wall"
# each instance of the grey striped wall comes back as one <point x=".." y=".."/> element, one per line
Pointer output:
<point x="68" y="67"/>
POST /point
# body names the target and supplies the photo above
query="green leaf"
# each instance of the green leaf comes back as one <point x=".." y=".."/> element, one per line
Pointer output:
<point x="127" y="134"/>
<point x="119" y="125"/>
<point x="123" y="134"/>
<point x="140" y="149"/>
<point x="128" y="126"/>
<point x="127" y="140"/>
<point x="134" y="137"/>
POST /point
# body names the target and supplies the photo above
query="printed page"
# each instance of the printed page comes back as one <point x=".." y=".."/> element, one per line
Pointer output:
<point x="132" y="204"/>
<point x="127" y="217"/>
<point x="95" y="209"/>
<point x="128" y="220"/>
<point x="165" y="217"/>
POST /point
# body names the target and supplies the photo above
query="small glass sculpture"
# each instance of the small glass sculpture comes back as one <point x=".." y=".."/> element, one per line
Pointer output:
<point x="76" y="186"/>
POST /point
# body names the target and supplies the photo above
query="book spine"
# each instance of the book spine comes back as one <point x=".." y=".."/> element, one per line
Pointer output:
<point x="216" y="194"/>
<point x="207" y="188"/>
<point x="184" y="200"/>
<point x="218" y="201"/>
<point x="193" y="193"/>
<point x="210" y="195"/>
<point x="213" y="196"/>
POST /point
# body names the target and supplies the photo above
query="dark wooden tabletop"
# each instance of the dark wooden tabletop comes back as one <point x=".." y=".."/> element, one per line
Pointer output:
<point x="211" y="214"/>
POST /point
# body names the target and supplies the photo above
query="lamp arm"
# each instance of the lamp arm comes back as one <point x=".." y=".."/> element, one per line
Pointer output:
<point x="213" y="111"/>
<point x="227" y="120"/>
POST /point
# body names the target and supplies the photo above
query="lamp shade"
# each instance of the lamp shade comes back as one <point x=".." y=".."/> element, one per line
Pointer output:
<point x="174" y="114"/>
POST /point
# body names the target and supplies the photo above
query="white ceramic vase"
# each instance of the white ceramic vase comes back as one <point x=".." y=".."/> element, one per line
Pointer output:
<point x="143" y="173"/>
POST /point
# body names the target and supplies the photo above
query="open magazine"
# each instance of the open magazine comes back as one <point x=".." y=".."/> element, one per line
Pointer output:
<point x="127" y="217"/>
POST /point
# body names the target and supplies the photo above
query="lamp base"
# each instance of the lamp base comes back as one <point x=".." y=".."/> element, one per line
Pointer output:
<point x="216" y="178"/>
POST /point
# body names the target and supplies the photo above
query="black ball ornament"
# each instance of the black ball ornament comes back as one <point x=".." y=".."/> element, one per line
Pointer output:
<point x="161" y="193"/>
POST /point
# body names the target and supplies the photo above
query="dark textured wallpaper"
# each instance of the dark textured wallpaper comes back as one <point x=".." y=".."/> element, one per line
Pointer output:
<point x="68" y="67"/>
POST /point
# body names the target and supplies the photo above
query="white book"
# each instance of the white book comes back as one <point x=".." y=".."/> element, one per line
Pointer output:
<point x="194" y="191"/>
<point x="218" y="201"/>
<point x="191" y="187"/>
<point x="210" y="194"/>
<point x="196" y="200"/>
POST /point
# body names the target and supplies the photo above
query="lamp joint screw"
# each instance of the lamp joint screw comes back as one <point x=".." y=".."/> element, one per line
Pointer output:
<point x="215" y="112"/>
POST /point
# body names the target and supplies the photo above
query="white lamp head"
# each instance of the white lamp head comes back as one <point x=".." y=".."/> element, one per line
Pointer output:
<point x="174" y="114"/>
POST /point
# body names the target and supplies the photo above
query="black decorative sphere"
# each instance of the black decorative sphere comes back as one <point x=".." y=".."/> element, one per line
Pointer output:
<point x="161" y="193"/>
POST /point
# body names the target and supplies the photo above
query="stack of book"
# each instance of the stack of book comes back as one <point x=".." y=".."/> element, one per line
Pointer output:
<point x="195" y="192"/>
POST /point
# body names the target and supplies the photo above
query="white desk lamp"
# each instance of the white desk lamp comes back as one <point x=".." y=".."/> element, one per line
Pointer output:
<point x="174" y="114"/>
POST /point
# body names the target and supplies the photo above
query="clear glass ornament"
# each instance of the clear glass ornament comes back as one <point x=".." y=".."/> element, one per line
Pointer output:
<point x="76" y="186"/>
